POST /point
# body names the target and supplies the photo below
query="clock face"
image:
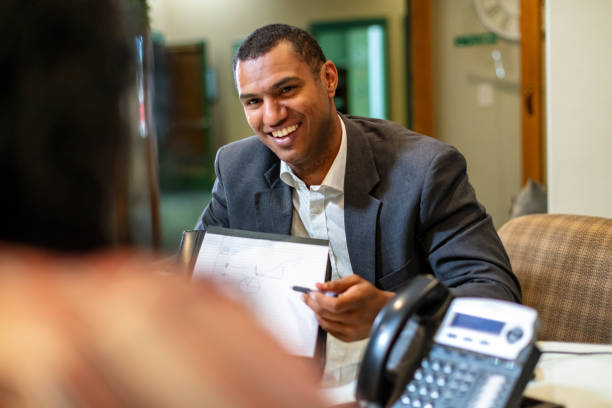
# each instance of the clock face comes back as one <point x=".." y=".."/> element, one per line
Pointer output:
<point x="500" y="16"/>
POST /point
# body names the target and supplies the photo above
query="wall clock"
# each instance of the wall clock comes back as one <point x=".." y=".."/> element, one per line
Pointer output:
<point x="501" y="17"/>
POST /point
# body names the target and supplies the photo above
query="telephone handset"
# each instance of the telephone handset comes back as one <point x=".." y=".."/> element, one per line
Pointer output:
<point x="427" y="349"/>
<point x="403" y="329"/>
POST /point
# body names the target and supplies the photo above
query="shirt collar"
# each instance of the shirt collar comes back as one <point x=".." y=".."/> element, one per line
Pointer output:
<point x="334" y="177"/>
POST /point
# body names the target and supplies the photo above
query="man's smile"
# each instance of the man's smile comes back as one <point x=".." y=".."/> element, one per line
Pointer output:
<point x="285" y="131"/>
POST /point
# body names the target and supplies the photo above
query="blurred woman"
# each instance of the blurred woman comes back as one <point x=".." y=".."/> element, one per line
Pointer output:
<point x="81" y="323"/>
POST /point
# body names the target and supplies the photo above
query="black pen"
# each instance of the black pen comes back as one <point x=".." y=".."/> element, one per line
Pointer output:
<point x="308" y="290"/>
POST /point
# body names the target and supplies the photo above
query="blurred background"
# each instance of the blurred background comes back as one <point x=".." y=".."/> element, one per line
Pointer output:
<point x="476" y="74"/>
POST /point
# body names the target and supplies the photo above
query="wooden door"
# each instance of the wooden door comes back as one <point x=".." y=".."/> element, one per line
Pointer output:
<point x="187" y="148"/>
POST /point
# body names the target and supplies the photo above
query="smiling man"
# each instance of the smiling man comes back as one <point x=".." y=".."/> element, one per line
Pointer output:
<point x="392" y="203"/>
<point x="289" y="104"/>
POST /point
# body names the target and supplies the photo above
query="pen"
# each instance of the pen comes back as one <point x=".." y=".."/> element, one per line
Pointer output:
<point x="308" y="290"/>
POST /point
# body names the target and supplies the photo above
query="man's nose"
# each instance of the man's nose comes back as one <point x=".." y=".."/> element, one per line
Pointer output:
<point x="274" y="113"/>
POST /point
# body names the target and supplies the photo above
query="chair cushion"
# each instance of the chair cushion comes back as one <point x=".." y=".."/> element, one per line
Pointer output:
<point x="564" y="264"/>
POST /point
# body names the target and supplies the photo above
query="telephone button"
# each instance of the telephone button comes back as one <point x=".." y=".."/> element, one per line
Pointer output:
<point x="470" y="377"/>
<point x="447" y="395"/>
<point x="514" y="335"/>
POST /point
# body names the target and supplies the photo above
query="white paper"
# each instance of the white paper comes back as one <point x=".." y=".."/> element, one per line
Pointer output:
<point x="261" y="273"/>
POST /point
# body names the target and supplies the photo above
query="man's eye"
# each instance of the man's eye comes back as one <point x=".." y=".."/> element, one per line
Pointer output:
<point x="287" y="89"/>
<point x="251" y="102"/>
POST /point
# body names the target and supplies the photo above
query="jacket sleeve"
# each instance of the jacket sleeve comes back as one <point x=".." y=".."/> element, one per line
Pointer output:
<point x="458" y="236"/>
<point x="215" y="212"/>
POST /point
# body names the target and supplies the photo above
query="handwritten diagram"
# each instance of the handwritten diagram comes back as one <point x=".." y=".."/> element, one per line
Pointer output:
<point x="260" y="273"/>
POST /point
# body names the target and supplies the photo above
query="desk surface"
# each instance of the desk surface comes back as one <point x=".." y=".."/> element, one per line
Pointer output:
<point x="575" y="381"/>
<point x="572" y="380"/>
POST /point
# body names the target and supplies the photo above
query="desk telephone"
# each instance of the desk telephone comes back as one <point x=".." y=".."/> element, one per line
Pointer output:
<point x="428" y="350"/>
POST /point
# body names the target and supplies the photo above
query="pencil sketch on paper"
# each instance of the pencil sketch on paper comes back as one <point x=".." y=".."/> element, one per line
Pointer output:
<point x="259" y="272"/>
<point x="246" y="272"/>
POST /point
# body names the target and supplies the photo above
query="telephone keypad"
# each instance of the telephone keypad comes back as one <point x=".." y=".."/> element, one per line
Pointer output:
<point x="449" y="378"/>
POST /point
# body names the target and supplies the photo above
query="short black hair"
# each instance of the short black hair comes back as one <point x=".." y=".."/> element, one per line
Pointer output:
<point x="65" y="66"/>
<point x="263" y="39"/>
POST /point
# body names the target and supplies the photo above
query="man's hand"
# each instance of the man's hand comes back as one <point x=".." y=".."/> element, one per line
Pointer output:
<point x="349" y="316"/>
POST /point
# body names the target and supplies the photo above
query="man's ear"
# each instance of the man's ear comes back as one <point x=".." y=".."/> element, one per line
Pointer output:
<point x="329" y="76"/>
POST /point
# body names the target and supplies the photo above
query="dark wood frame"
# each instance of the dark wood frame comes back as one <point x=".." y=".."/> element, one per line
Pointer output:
<point x="419" y="67"/>
<point x="531" y="91"/>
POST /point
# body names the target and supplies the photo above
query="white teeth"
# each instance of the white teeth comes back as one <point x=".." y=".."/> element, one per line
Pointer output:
<point x="284" y="132"/>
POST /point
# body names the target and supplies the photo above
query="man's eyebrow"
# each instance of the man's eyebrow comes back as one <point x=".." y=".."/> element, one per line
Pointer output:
<point x="283" y="81"/>
<point x="246" y="96"/>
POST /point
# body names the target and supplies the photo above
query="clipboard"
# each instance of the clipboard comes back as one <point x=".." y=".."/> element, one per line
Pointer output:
<point x="246" y="262"/>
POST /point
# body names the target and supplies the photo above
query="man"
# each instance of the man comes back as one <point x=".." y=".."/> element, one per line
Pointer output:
<point x="393" y="203"/>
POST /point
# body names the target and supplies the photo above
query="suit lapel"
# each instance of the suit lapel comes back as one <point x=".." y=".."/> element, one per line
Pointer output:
<point x="274" y="207"/>
<point x="360" y="208"/>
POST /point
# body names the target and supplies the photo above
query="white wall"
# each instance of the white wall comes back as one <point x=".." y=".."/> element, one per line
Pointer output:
<point x="579" y="106"/>
<point x="157" y="14"/>
<point x="222" y="22"/>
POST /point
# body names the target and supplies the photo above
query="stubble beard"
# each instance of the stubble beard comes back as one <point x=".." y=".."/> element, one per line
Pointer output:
<point x="324" y="154"/>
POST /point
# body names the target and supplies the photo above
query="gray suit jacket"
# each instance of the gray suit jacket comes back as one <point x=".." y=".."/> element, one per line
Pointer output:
<point x="409" y="209"/>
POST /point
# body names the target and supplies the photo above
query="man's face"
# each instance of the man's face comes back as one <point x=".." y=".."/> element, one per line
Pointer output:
<point x="290" y="108"/>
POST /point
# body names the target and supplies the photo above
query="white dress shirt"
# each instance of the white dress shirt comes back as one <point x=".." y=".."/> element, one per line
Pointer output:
<point x="318" y="212"/>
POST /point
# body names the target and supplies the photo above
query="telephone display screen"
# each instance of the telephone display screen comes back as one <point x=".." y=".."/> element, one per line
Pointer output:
<point x="477" y="323"/>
